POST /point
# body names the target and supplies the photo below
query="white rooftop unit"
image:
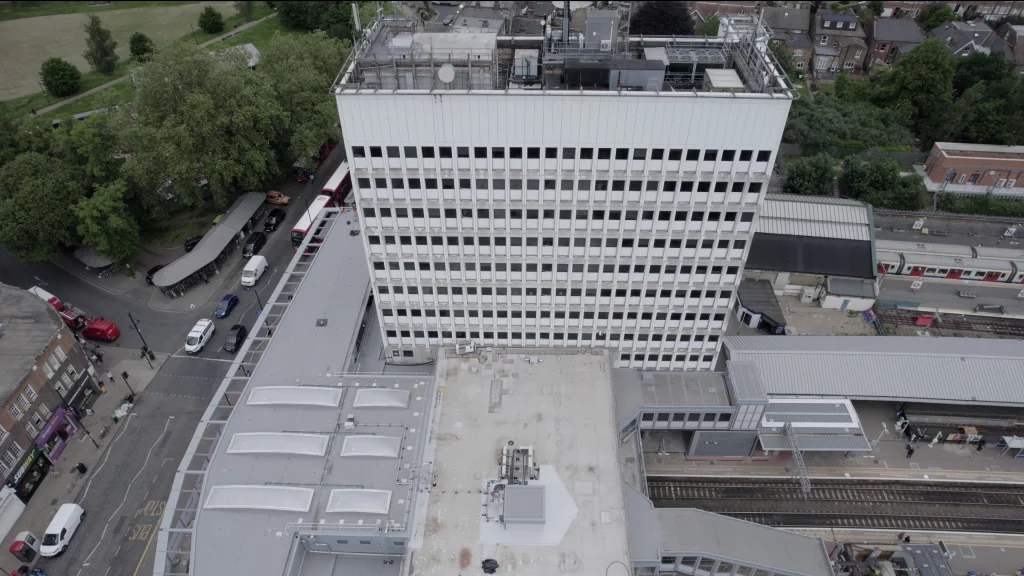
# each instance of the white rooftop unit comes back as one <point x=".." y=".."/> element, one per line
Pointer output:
<point x="381" y="398"/>
<point x="295" y="395"/>
<point x="252" y="497"/>
<point x="356" y="500"/>
<point x="723" y="80"/>
<point x="278" y="443"/>
<point x="371" y="446"/>
<point x="525" y="63"/>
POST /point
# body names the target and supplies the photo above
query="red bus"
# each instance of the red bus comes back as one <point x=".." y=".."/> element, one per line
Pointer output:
<point x="306" y="221"/>
<point x="340" y="184"/>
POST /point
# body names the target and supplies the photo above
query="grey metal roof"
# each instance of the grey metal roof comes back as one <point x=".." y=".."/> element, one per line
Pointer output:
<point x="524" y="504"/>
<point x="29" y="326"/>
<point x="896" y="30"/>
<point x="818" y="216"/>
<point x="819" y="424"/>
<point x="855" y="287"/>
<point x="213" y="242"/>
<point x="812" y="255"/>
<point x="787" y="18"/>
<point x="815" y="443"/>
<point x="685" y="531"/>
<point x="759" y="296"/>
<point x="971" y="370"/>
<point x="744" y="383"/>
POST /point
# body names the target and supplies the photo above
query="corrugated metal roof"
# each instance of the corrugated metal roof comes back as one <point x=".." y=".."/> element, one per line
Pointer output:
<point x="815" y="443"/>
<point x="819" y="217"/>
<point x="745" y="383"/>
<point x="887" y="367"/>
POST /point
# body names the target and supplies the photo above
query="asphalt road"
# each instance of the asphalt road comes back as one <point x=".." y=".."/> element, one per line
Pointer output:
<point x="127" y="492"/>
<point x="936" y="293"/>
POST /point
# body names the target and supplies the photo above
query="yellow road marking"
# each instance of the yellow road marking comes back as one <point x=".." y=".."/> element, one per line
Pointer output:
<point x="146" y="550"/>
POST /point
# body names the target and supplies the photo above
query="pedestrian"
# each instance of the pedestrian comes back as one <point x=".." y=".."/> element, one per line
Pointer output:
<point x="110" y="377"/>
<point x="95" y="359"/>
<point x="910" y="452"/>
<point x="899" y="537"/>
<point x="981" y="444"/>
<point x="269" y="332"/>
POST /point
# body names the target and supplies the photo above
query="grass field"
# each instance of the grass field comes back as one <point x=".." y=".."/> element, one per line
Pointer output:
<point x="230" y="21"/>
<point x="27" y="42"/>
<point x="258" y="35"/>
<point x="16" y="10"/>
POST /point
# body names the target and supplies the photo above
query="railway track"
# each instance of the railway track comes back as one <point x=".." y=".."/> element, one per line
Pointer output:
<point x="850" y="504"/>
<point x="1001" y="326"/>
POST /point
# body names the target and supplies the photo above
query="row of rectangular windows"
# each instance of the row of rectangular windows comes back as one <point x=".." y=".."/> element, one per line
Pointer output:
<point x="565" y="214"/>
<point x="679" y="416"/>
<point x="595" y="242"/>
<point x="590" y="292"/>
<point x="545" y="267"/>
<point x="488" y="335"/>
<point x="560" y="315"/>
<point x="398" y="183"/>
<point x="551" y="152"/>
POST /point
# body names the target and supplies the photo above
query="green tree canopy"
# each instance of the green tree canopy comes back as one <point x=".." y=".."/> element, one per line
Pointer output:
<point x="924" y="77"/>
<point x="784" y="57"/>
<point x="36" y="194"/>
<point x="301" y="69"/>
<point x="140" y="46"/>
<point x="60" y="77"/>
<point x="201" y="118"/>
<point x="978" y="66"/>
<point x="934" y="15"/>
<point x="709" y="27"/>
<point x="106" y="224"/>
<point x="335" y="18"/>
<point x="91" y="144"/>
<point x="662" y="17"/>
<point x="878" y="182"/>
<point x="245" y="8"/>
<point x="826" y="121"/>
<point x="811" y="175"/>
<point x="99" y="46"/>
<point x="211" y="21"/>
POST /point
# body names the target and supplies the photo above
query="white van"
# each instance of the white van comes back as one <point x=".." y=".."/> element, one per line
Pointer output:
<point x="61" y="529"/>
<point x="254" y="268"/>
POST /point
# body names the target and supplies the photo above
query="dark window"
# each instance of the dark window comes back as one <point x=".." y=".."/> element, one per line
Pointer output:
<point x="586" y="153"/>
<point x="640" y="154"/>
<point x="745" y="155"/>
<point x="533" y="152"/>
<point x="427" y="151"/>
<point x="721" y="186"/>
<point x="755" y="187"/>
<point x="747" y="217"/>
<point x="728" y="155"/>
<point x="763" y="155"/>
<point x="711" y="155"/>
<point x="693" y="154"/>
<point x="604" y="153"/>
<point x="446" y="151"/>
<point x="622" y="153"/>
<point x="515" y="153"/>
<point x="463" y="151"/>
<point x="376" y="152"/>
<point x="358" y="152"/>
<point x="703" y="186"/>
<point x="480" y="152"/>
<point x="568" y="153"/>
<point x="497" y="152"/>
<point x="551" y="152"/>
<point x="393" y="152"/>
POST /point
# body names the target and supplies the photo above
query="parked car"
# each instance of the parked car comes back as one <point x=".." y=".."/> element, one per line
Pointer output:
<point x="236" y="335"/>
<point x="191" y="242"/>
<point x="274" y="219"/>
<point x="254" y="268"/>
<point x="199" y="336"/>
<point x="275" y="197"/>
<point x="60" y="530"/>
<point x="154" y="270"/>
<point x="253" y="244"/>
<point x="227" y="304"/>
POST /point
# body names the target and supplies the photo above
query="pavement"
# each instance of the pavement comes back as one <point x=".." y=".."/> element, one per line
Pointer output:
<point x="120" y="79"/>
<point x="943" y="295"/>
<point x="63" y="484"/>
<point x="942" y="462"/>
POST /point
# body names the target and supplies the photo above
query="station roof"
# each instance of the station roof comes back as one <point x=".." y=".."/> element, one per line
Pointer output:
<point x="817" y="216"/>
<point x="913" y="368"/>
<point x="29" y="326"/>
<point x="819" y="425"/>
<point x="759" y="296"/>
<point x="811" y="255"/>
<point x="213" y="242"/>
<point x="655" y="532"/>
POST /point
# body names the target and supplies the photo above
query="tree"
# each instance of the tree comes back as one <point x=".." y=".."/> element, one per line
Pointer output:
<point x="934" y="15"/>
<point x="246" y="9"/>
<point x="709" y="27"/>
<point x="820" y="124"/>
<point x="335" y="18"/>
<point x="92" y="145"/>
<point x="924" y="77"/>
<point x="35" y="193"/>
<point x="211" y="21"/>
<point x="140" y="46"/>
<point x="978" y="66"/>
<point x="99" y="47"/>
<point x="785" y="58"/>
<point x="60" y="77"/>
<point x="878" y="182"/>
<point x="204" y="122"/>
<point x="301" y="68"/>
<point x="811" y="175"/>
<point x="662" y="18"/>
<point x="105" y="223"/>
<point x="875" y="7"/>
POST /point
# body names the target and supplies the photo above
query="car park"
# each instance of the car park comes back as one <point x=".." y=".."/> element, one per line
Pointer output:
<point x="61" y="529"/>
<point x="227" y="304"/>
<point x="152" y="271"/>
<point x="276" y="197"/>
<point x="199" y="336"/>
<point x="274" y="219"/>
<point x="191" y="242"/>
<point x="235" y="337"/>
<point x="253" y="244"/>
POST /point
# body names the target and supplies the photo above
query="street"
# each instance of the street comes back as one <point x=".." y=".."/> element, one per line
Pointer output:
<point x="125" y="495"/>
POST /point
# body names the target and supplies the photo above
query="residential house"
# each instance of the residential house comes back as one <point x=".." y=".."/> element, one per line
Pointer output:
<point x="891" y="38"/>
<point x="960" y="168"/>
<point x="790" y="27"/>
<point x="987" y="9"/>
<point x="840" y="44"/>
<point x="1013" y="36"/>
<point x="963" y="38"/>
<point x="46" y="384"/>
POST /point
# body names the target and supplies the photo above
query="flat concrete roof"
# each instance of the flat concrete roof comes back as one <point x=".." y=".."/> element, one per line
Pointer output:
<point x="562" y="407"/>
<point x="304" y="362"/>
<point x="29" y="326"/>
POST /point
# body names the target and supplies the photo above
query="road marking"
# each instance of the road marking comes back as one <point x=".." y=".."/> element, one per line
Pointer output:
<point x="126" y="492"/>
<point x="105" y="456"/>
<point x="108" y="567"/>
<point x="201" y="358"/>
<point x="146" y="550"/>
<point x="116" y="551"/>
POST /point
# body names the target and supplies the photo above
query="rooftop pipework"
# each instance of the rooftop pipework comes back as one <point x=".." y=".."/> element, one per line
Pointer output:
<point x="393" y="54"/>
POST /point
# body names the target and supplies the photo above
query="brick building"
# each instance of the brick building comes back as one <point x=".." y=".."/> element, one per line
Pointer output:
<point x="974" y="169"/>
<point x="890" y="38"/>
<point x="46" y="381"/>
<point x="840" y="44"/>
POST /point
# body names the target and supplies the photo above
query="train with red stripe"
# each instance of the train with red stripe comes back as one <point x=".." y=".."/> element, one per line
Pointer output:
<point x="951" y="261"/>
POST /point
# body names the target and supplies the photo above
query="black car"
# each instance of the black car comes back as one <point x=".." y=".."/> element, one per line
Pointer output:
<point x="236" y="335"/>
<point x="252" y="246"/>
<point x="191" y="242"/>
<point x="152" y="271"/>
<point x="274" y="219"/>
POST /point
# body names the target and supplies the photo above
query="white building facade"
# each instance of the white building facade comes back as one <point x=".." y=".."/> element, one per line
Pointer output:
<point x="580" y="218"/>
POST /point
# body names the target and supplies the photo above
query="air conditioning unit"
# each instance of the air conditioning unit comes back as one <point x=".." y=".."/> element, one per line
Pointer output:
<point x="606" y="45"/>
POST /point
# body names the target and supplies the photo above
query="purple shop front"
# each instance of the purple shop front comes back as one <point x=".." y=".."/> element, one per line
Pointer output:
<point x="55" y="435"/>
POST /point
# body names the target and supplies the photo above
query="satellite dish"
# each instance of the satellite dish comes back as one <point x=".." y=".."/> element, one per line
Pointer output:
<point x="446" y="74"/>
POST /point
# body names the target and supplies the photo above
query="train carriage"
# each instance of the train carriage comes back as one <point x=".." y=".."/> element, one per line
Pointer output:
<point x="901" y="247"/>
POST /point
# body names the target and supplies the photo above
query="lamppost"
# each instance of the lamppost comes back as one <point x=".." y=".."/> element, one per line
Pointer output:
<point x="146" y="353"/>
<point x="258" y="301"/>
<point x="68" y="409"/>
<point x="125" y="376"/>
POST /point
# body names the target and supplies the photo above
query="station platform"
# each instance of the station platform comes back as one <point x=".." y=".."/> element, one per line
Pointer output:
<point x="941" y="462"/>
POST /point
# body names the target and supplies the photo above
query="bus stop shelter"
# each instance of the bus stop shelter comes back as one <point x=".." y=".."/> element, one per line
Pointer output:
<point x="198" y="265"/>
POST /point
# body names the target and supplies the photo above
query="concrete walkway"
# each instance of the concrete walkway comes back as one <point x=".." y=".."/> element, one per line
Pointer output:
<point x="62" y="484"/>
<point x="104" y="86"/>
